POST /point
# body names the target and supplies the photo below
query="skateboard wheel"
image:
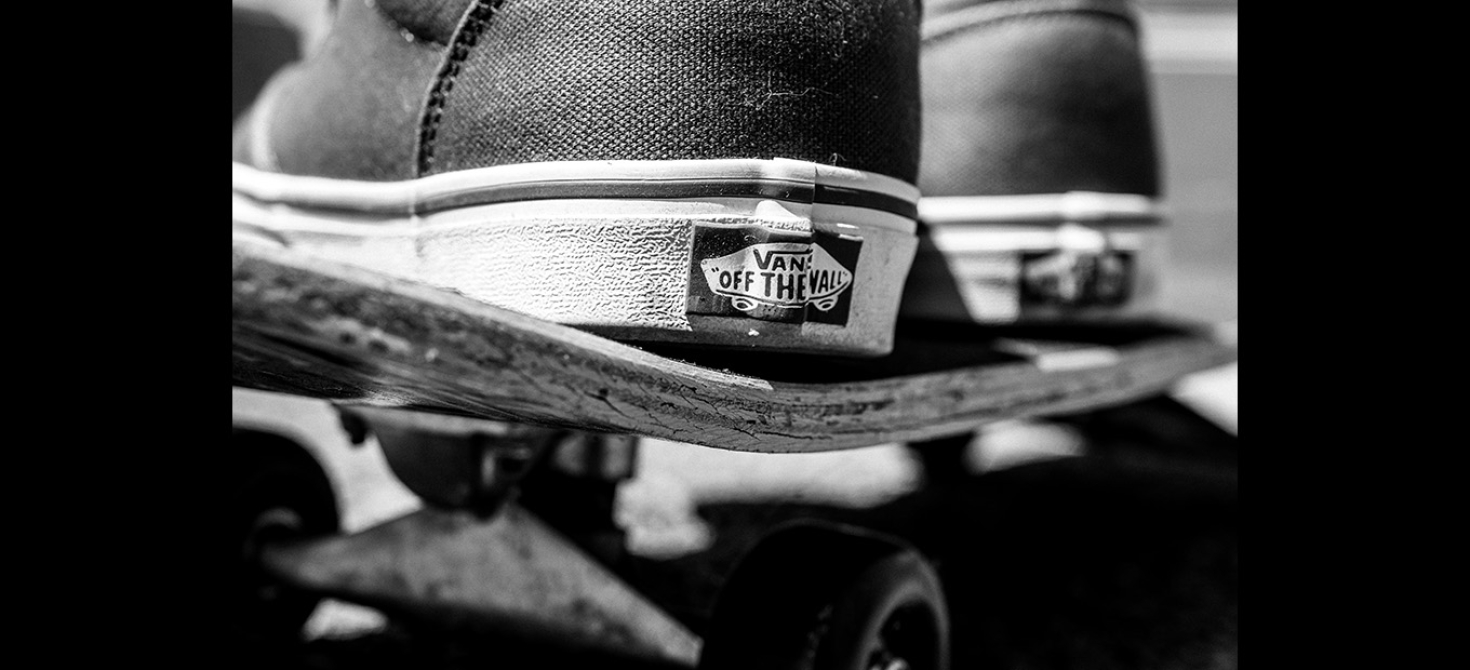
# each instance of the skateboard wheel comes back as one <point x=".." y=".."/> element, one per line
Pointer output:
<point x="280" y="493"/>
<point x="814" y="597"/>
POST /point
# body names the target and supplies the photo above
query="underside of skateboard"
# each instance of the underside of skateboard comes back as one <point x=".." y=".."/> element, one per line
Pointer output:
<point x="516" y="434"/>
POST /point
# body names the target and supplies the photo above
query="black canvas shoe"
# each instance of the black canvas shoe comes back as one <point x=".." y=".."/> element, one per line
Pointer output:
<point x="1040" y="168"/>
<point x="715" y="172"/>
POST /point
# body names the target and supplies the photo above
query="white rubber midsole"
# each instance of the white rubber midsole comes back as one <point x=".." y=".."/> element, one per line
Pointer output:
<point x="407" y="196"/>
<point x="622" y="265"/>
<point x="1038" y="258"/>
<point x="779" y="215"/>
<point x="1077" y="206"/>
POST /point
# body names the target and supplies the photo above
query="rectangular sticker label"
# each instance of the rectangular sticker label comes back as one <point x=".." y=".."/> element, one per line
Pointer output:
<point x="771" y="275"/>
<point x="1076" y="278"/>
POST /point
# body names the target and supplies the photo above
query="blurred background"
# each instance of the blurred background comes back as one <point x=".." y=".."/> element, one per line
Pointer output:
<point x="1191" y="47"/>
<point x="1123" y="562"/>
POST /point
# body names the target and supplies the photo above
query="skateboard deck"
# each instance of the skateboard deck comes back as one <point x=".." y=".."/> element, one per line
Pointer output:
<point x="325" y="330"/>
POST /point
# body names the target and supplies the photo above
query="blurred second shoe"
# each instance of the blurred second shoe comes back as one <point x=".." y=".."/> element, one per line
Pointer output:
<point x="1040" y="171"/>
<point x="708" y="172"/>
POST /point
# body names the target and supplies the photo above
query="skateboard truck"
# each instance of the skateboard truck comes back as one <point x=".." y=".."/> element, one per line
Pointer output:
<point x="453" y="462"/>
<point x="478" y="465"/>
<point x="866" y="597"/>
<point x="508" y="570"/>
<point x="475" y="557"/>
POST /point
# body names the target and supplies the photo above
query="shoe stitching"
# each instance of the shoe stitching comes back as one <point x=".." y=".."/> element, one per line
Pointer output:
<point x="989" y="13"/>
<point x="465" y="38"/>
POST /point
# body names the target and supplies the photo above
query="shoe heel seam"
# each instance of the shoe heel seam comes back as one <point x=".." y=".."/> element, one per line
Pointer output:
<point x="475" y="23"/>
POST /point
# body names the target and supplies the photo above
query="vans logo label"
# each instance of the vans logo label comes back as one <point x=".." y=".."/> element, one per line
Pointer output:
<point x="772" y="275"/>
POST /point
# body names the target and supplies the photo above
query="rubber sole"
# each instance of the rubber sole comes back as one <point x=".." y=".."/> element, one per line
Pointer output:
<point x="1030" y="259"/>
<point x="766" y="254"/>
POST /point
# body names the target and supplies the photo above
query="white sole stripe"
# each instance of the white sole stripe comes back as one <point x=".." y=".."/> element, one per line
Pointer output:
<point x="415" y="195"/>
<point x="1081" y="206"/>
<point x="770" y="213"/>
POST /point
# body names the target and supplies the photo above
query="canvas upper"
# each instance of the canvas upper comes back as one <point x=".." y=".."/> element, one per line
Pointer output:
<point x="402" y="89"/>
<point x="702" y="172"/>
<point x="1035" y="96"/>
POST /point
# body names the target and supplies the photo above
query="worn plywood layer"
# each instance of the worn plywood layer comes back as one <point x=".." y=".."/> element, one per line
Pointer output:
<point x="330" y="331"/>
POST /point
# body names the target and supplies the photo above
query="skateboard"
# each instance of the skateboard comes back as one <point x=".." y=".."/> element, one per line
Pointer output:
<point x="466" y="399"/>
<point x="352" y="336"/>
